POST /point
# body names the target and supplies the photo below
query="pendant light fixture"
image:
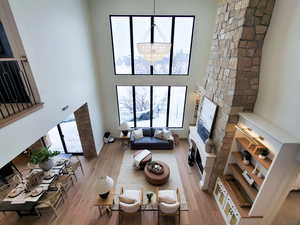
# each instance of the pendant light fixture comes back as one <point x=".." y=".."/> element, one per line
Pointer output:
<point x="154" y="51"/>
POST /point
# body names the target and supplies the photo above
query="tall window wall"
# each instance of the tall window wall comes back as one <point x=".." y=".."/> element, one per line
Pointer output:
<point x="127" y="31"/>
<point x="152" y="106"/>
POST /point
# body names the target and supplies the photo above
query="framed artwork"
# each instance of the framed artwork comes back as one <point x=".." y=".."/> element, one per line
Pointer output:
<point x="206" y="118"/>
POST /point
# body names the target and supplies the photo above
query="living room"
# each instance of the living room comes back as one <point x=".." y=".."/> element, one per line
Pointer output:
<point x="192" y="98"/>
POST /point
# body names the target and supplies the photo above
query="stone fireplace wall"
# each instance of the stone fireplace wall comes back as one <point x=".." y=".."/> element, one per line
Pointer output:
<point x="232" y="78"/>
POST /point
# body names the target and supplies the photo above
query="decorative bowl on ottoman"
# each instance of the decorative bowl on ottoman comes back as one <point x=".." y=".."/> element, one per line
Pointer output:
<point x="155" y="167"/>
<point x="157" y="179"/>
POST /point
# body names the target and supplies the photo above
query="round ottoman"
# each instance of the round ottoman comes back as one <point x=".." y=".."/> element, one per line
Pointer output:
<point x="158" y="179"/>
<point x="145" y="160"/>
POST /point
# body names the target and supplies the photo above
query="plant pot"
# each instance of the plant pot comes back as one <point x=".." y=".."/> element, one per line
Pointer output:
<point x="262" y="156"/>
<point x="46" y="165"/>
<point x="104" y="196"/>
<point x="246" y="162"/>
<point x="125" y="132"/>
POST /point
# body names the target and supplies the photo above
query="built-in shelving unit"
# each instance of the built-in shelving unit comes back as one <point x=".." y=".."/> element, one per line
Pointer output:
<point x="249" y="168"/>
<point x="251" y="190"/>
<point x="250" y="147"/>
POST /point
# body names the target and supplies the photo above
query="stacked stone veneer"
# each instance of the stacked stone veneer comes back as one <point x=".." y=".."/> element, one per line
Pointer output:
<point x="232" y="79"/>
<point x="85" y="131"/>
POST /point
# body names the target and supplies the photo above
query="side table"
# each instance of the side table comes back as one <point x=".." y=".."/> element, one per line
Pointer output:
<point x="125" y="139"/>
<point x="105" y="204"/>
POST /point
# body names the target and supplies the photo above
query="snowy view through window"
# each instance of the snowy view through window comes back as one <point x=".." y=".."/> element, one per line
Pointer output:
<point x="124" y="53"/>
<point x="141" y="98"/>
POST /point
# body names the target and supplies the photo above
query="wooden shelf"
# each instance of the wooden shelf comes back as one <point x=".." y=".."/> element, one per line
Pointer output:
<point x="235" y="196"/>
<point x="245" y="143"/>
<point x="237" y="174"/>
<point x="249" y="168"/>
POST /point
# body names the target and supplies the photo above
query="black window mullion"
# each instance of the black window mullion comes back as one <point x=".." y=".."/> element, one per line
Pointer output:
<point x="151" y="106"/>
<point x="134" y="105"/>
<point x="152" y="40"/>
<point x="131" y="45"/>
<point x="168" y="106"/>
<point x="172" y="42"/>
<point x="62" y="138"/>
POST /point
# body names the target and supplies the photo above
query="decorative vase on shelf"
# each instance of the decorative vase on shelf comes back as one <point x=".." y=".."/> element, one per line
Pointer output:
<point x="260" y="174"/>
<point x="105" y="183"/>
<point x="262" y="156"/>
<point x="46" y="165"/>
<point x="245" y="161"/>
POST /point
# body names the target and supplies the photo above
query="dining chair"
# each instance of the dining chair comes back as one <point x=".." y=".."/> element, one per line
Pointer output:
<point x="73" y="167"/>
<point x="4" y="190"/>
<point x="130" y="203"/>
<point x="168" y="203"/>
<point x="14" y="181"/>
<point x="65" y="182"/>
<point x="51" y="201"/>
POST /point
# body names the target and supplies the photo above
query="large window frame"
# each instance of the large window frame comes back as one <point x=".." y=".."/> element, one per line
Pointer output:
<point x="151" y="104"/>
<point x="170" y="73"/>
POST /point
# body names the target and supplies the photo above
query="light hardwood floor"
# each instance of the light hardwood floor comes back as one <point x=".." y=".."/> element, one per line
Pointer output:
<point x="78" y="208"/>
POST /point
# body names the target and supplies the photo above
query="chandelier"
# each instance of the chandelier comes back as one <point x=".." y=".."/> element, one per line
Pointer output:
<point x="154" y="51"/>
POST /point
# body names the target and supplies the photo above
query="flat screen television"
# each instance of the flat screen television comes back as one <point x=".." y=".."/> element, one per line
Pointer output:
<point x="206" y="118"/>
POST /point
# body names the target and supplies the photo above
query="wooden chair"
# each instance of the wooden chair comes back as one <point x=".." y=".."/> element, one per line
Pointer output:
<point x="168" y="209"/>
<point x="73" y="167"/>
<point x="4" y="190"/>
<point x="65" y="182"/>
<point x="131" y="209"/>
<point x="51" y="201"/>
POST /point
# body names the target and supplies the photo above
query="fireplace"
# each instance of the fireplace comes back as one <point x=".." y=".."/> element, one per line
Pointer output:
<point x="198" y="156"/>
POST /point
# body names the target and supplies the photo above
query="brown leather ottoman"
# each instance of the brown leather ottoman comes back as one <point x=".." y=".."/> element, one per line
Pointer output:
<point x="158" y="179"/>
<point x="145" y="160"/>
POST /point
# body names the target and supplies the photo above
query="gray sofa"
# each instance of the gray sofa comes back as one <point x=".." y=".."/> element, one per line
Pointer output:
<point x="150" y="142"/>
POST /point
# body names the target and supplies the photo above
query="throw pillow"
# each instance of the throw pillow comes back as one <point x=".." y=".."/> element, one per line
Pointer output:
<point x="126" y="200"/>
<point x="167" y="196"/>
<point x="138" y="133"/>
<point x="159" y="134"/>
<point x="167" y="134"/>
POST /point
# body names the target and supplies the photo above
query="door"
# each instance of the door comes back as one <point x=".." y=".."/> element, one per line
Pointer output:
<point x="65" y="137"/>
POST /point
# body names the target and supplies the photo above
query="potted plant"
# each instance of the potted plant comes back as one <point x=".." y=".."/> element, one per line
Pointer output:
<point x="263" y="153"/>
<point x="149" y="196"/>
<point x="43" y="158"/>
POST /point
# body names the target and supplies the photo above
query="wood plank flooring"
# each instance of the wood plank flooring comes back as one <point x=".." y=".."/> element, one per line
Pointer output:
<point x="78" y="208"/>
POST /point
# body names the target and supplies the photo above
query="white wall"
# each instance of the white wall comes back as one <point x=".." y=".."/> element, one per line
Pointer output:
<point x="279" y="92"/>
<point x="205" y="12"/>
<point x="56" y="36"/>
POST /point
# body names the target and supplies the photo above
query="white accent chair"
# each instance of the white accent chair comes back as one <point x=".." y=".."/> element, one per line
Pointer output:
<point x="168" y="203"/>
<point x="131" y="209"/>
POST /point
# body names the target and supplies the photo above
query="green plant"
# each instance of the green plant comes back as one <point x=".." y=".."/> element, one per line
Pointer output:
<point x="42" y="155"/>
<point x="152" y="163"/>
<point x="263" y="151"/>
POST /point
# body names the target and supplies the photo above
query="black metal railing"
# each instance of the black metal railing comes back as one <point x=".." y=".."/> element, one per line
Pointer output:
<point x="16" y="91"/>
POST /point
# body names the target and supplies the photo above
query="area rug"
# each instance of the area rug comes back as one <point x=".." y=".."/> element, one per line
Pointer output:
<point x="132" y="178"/>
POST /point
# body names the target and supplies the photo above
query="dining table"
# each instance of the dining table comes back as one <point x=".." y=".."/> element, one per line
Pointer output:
<point x="24" y="203"/>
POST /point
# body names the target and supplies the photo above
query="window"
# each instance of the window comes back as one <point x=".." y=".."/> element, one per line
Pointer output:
<point x="127" y="31"/>
<point x="151" y="106"/>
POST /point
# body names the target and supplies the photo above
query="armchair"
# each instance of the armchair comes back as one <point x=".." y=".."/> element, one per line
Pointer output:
<point x="168" y="203"/>
<point x="130" y="203"/>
